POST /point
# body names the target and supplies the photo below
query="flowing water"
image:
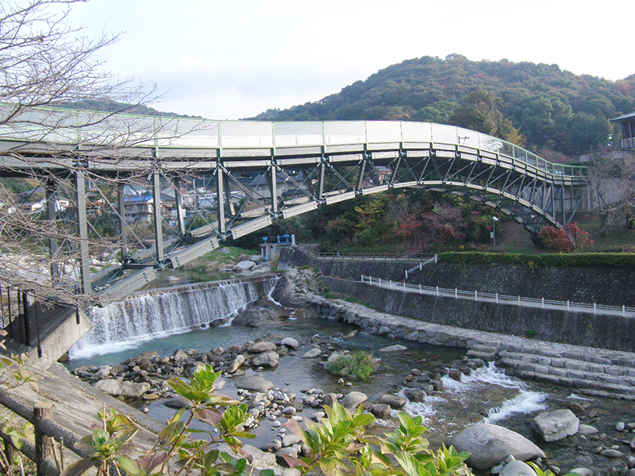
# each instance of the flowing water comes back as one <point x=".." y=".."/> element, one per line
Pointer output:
<point x="167" y="320"/>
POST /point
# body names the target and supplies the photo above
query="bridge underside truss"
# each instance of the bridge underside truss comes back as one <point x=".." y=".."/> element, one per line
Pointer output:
<point x="206" y="196"/>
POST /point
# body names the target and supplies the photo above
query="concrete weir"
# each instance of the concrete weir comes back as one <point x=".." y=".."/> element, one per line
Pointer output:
<point x="590" y="371"/>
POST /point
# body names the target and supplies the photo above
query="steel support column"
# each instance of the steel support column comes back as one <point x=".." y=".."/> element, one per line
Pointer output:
<point x="180" y="212"/>
<point x="51" y="212"/>
<point x="273" y="186"/>
<point x="220" y="194"/>
<point x="158" y="225"/>
<point x="321" y="182"/>
<point x="121" y="209"/>
<point x="82" y="225"/>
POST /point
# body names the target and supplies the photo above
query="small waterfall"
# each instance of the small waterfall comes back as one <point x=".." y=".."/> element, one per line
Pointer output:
<point x="158" y="313"/>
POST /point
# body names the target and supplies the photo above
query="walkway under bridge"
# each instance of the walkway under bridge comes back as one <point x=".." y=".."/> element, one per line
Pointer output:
<point x="194" y="183"/>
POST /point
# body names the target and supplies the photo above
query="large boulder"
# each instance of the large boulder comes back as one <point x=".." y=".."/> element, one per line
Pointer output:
<point x="268" y="360"/>
<point x="254" y="383"/>
<point x="353" y="399"/>
<point x="490" y="444"/>
<point x="259" y="315"/>
<point x="395" y="401"/>
<point x="311" y="354"/>
<point x="290" y="342"/>
<point x="259" y="347"/>
<point x="556" y="425"/>
<point x="123" y="389"/>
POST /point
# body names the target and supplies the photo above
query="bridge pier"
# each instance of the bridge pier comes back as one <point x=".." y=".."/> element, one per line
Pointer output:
<point x="157" y="215"/>
<point x="82" y="225"/>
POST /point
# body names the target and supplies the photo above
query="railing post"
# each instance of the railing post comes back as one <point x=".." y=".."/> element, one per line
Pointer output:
<point x="419" y="288"/>
<point x="406" y="274"/>
<point x="475" y="295"/>
<point x="420" y="266"/>
<point x="437" y="290"/>
<point x="43" y="443"/>
<point x="380" y="281"/>
<point x="496" y="298"/>
<point x="623" y="310"/>
<point x="435" y="259"/>
<point x="519" y="300"/>
<point x="543" y="302"/>
<point x="456" y="293"/>
<point x="595" y="308"/>
<point x="568" y="305"/>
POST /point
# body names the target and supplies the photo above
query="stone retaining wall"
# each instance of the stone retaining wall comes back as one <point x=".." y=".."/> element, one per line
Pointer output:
<point x="610" y="332"/>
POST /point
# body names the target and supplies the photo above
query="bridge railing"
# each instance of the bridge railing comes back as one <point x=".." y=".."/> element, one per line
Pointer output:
<point x="542" y="303"/>
<point x="372" y="256"/>
<point x="68" y="126"/>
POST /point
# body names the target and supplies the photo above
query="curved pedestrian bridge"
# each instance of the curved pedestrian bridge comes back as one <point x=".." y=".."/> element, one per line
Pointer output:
<point x="247" y="174"/>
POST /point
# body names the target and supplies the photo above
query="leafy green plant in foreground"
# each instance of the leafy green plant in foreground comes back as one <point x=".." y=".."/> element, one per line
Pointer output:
<point x="338" y="445"/>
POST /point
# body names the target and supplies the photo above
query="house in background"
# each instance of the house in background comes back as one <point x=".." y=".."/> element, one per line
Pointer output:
<point x="628" y="129"/>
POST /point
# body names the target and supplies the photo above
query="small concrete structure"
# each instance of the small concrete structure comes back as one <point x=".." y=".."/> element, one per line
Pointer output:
<point x="273" y="244"/>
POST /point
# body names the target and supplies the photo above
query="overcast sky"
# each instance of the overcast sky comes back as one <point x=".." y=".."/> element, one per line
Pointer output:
<point x="231" y="59"/>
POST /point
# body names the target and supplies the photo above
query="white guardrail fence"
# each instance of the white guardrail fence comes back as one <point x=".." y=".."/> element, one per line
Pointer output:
<point x="541" y="303"/>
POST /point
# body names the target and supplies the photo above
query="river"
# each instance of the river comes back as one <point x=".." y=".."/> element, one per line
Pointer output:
<point x="130" y="328"/>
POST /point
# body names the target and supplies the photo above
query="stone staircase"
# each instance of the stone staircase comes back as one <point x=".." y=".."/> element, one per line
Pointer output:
<point x="589" y="371"/>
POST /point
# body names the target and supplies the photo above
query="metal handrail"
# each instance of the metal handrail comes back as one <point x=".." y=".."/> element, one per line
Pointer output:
<point x="371" y="256"/>
<point x="420" y="266"/>
<point x="588" y="308"/>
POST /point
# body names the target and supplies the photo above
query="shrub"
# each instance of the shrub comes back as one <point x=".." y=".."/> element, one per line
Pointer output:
<point x="358" y="365"/>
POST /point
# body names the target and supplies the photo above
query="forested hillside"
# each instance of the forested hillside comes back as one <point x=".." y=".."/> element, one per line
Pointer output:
<point x="548" y="110"/>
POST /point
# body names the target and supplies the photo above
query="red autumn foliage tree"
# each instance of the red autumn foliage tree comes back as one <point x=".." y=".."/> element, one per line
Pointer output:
<point x="566" y="240"/>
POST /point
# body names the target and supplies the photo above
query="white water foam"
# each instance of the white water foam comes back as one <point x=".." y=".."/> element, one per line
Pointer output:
<point x="140" y="318"/>
<point x="526" y="401"/>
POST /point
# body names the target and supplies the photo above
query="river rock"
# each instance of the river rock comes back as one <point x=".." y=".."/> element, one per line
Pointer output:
<point x="353" y="399"/>
<point x="517" y="468"/>
<point x="253" y="382"/>
<point x="395" y="401"/>
<point x="381" y="410"/>
<point x="290" y="342"/>
<point x="582" y="471"/>
<point x="556" y="425"/>
<point x="179" y="355"/>
<point x="414" y="394"/>
<point x="311" y="354"/>
<point x="102" y="373"/>
<point x="124" y="389"/>
<point x="260" y="347"/>
<point x="394" y="348"/>
<point x="611" y="453"/>
<point x="244" y="265"/>
<point x="587" y="430"/>
<point x="489" y="444"/>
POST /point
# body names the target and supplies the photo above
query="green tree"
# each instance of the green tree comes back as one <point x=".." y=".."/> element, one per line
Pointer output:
<point x="479" y="112"/>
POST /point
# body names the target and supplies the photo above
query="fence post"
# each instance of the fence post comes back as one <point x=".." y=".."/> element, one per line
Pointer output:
<point x="435" y="259"/>
<point x="456" y="293"/>
<point x="519" y="300"/>
<point x="543" y="302"/>
<point x="496" y="298"/>
<point x="623" y="310"/>
<point x="43" y="443"/>
<point x="406" y="274"/>
<point x="568" y="305"/>
<point x="595" y="308"/>
<point x="437" y="291"/>
<point x="419" y="288"/>
<point x="380" y="281"/>
<point x="475" y="295"/>
<point x="420" y="266"/>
